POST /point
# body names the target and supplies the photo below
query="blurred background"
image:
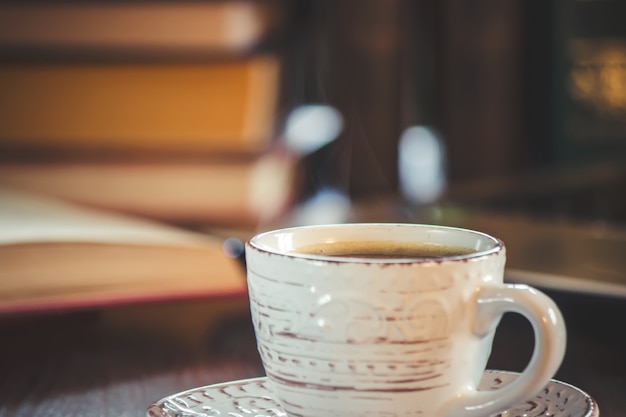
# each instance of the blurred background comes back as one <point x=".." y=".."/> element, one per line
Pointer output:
<point x="235" y="117"/>
<point x="229" y="118"/>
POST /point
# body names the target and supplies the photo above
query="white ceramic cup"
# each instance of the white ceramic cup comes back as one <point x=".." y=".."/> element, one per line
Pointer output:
<point x="342" y="336"/>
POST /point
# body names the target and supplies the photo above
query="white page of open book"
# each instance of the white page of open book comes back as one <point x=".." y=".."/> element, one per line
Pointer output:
<point x="28" y="218"/>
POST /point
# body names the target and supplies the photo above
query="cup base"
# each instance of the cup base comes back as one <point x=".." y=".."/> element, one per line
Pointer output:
<point x="255" y="398"/>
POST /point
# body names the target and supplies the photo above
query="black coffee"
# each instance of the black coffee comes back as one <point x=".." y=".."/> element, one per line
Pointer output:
<point x="385" y="250"/>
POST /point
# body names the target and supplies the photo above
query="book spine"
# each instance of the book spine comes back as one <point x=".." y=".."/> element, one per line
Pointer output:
<point x="216" y="191"/>
<point x="196" y="28"/>
<point x="210" y="107"/>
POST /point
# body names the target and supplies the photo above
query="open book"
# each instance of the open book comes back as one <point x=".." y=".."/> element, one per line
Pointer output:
<point x="54" y="255"/>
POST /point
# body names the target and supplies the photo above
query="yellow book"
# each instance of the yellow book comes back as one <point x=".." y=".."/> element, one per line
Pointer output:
<point x="239" y="191"/>
<point x="179" y="27"/>
<point x="201" y="107"/>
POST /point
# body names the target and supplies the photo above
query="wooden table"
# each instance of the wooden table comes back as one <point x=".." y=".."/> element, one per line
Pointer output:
<point x="117" y="362"/>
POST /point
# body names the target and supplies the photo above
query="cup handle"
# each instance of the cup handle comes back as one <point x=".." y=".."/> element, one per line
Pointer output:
<point x="550" y="341"/>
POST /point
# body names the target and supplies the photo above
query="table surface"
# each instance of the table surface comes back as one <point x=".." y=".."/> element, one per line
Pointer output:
<point x="117" y="362"/>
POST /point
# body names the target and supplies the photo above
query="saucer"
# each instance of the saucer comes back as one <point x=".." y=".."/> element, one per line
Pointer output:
<point x="254" y="397"/>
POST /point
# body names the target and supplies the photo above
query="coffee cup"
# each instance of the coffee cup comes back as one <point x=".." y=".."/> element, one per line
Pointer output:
<point x="390" y="320"/>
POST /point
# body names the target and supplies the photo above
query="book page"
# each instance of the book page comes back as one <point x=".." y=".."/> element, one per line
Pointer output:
<point x="28" y="218"/>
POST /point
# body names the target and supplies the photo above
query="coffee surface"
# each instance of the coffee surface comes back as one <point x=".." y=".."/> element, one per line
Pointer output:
<point x="384" y="250"/>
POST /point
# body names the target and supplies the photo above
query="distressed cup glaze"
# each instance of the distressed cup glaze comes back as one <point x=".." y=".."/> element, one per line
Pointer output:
<point x="380" y="337"/>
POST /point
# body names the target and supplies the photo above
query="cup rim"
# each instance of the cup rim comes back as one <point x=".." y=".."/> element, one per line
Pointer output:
<point x="258" y="243"/>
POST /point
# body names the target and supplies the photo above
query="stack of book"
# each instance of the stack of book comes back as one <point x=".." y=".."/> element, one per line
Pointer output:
<point x="165" y="111"/>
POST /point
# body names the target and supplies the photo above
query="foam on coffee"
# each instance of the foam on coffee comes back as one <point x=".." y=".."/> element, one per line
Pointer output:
<point x="384" y="250"/>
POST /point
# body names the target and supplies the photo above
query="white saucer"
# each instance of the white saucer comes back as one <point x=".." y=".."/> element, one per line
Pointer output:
<point x="254" y="397"/>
